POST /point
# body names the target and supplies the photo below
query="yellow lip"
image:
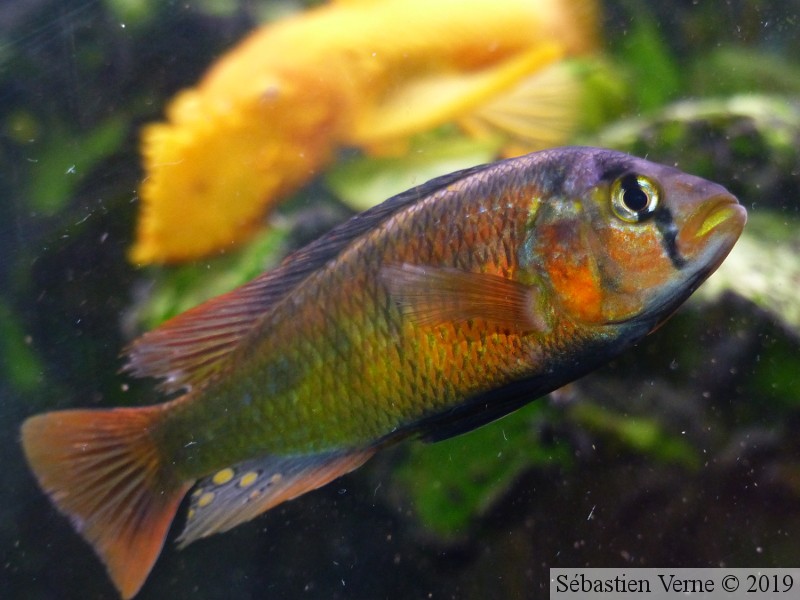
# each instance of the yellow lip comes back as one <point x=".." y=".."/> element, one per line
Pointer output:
<point x="722" y="216"/>
<point x="727" y="212"/>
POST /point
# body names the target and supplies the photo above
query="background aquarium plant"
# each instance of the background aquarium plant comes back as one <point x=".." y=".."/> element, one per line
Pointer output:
<point x="681" y="453"/>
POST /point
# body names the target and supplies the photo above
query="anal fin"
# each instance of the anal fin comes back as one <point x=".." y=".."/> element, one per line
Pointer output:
<point x="238" y="493"/>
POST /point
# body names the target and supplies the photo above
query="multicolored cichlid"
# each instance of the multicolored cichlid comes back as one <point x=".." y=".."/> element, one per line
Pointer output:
<point x="441" y="309"/>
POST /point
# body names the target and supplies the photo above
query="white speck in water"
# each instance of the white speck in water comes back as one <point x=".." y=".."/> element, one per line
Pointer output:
<point x="71" y="170"/>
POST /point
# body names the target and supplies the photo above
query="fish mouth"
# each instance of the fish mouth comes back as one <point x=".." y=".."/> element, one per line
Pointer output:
<point x="715" y="228"/>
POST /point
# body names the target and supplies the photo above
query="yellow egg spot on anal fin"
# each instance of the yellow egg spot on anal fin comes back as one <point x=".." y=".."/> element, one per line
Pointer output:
<point x="248" y="479"/>
<point x="205" y="499"/>
<point x="222" y="477"/>
<point x="265" y="482"/>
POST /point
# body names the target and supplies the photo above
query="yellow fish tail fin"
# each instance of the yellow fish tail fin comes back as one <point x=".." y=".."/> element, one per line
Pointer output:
<point x="102" y="469"/>
<point x="541" y="111"/>
<point x="436" y="98"/>
<point x="243" y="491"/>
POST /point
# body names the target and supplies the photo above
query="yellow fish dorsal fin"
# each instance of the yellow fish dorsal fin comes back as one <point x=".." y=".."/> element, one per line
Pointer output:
<point x="238" y="493"/>
<point x="432" y="99"/>
<point x="430" y="296"/>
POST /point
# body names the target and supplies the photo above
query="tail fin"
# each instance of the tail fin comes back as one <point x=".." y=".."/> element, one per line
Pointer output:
<point x="103" y="470"/>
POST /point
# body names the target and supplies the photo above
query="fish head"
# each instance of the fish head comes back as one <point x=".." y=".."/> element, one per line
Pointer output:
<point x="627" y="240"/>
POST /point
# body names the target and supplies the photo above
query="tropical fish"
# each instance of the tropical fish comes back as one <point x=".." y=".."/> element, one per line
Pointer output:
<point x="269" y="114"/>
<point x="444" y="308"/>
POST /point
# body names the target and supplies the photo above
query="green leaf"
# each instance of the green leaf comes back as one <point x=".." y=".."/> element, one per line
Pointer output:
<point x="740" y="70"/>
<point x="177" y="289"/>
<point x="65" y="159"/>
<point x="133" y="12"/>
<point x="654" y="75"/>
<point x="19" y="364"/>
<point x="365" y="181"/>
<point x="452" y="482"/>
<point x="640" y="434"/>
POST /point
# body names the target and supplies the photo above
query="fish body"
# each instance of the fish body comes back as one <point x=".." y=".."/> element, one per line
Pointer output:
<point x="441" y="309"/>
<point x="269" y="114"/>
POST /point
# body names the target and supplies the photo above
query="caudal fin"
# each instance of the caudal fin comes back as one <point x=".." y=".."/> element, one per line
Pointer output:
<point x="102" y="469"/>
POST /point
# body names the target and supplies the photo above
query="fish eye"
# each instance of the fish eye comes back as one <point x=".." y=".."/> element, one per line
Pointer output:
<point x="634" y="197"/>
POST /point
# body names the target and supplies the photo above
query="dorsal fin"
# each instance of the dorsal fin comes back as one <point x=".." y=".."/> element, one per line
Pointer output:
<point x="191" y="349"/>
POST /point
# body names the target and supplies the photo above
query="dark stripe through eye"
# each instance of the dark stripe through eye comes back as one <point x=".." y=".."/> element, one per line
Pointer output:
<point x="669" y="236"/>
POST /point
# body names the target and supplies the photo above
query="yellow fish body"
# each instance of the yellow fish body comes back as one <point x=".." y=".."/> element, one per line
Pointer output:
<point x="439" y="310"/>
<point x="270" y="113"/>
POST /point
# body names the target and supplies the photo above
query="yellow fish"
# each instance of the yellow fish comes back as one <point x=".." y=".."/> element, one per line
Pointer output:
<point x="268" y="116"/>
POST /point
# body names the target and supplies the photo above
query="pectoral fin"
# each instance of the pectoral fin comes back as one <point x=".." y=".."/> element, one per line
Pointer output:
<point x="435" y="295"/>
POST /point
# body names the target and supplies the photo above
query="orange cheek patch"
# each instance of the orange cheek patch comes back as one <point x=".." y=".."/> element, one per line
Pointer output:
<point x="572" y="272"/>
<point x="640" y="258"/>
<point x="578" y="288"/>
